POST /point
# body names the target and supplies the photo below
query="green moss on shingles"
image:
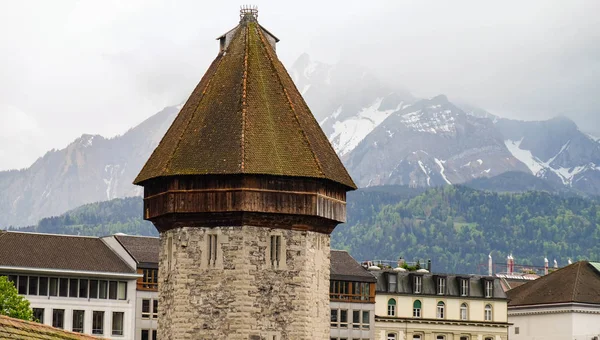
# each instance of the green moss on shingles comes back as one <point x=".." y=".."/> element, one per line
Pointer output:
<point x="280" y="136"/>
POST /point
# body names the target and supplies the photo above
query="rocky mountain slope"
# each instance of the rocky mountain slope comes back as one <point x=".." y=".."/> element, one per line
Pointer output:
<point x="90" y="169"/>
<point x="383" y="134"/>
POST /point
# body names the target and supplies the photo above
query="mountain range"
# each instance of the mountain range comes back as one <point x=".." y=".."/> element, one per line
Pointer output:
<point x="383" y="134"/>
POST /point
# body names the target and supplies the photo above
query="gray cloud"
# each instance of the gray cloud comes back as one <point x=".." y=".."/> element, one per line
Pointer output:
<point x="70" y="67"/>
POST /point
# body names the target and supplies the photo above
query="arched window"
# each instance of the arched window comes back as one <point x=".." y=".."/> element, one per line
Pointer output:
<point x="464" y="311"/>
<point x="488" y="313"/>
<point x="391" y="336"/>
<point x="440" y="337"/>
<point x="440" y="310"/>
<point x="392" y="307"/>
<point x="417" y="309"/>
<point x="417" y="337"/>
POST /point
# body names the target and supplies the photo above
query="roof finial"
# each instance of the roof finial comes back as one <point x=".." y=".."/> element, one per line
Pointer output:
<point x="248" y="12"/>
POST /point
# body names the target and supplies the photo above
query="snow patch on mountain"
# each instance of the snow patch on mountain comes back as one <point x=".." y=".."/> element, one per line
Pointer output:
<point x="539" y="167"/>
<point x="441" y="165"/>
<point x="348" y="133"/>
<point x="425" y="172"/>
<point x="435" y="122"/>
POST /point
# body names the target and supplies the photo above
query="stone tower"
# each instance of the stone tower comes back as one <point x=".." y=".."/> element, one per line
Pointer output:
<point x="245" y="190"/>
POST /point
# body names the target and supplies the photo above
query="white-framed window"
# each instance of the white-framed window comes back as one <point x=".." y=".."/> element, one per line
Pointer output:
<point x="78" y="319"/>
<point x="441" y="285"/>
<point x="418" y="284"/>
<point x="464" y="311"/>
<point x="391" y="307"/>
<point x="391" y="336"/>
<point x="441" y="308"/>
<point x="334" y="318"/>
<point x="489" y="289"/>
<point x="416" y="337"/>
<point x="275" y="250"/>
<point x="417" y="309"/>
<point x="440" y="337"/>
<point x="360" y="319"/>
<point x="146" y="308"/>
<point x="488" y="313"/>
<point x="117" y="323"/>
<point x="464" y="287"/>
<point x="98" y="322"/>
<point x="343" y="318"/>
<point x="392" y="282"/>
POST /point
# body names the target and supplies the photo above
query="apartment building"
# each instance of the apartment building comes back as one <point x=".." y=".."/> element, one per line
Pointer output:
<point x="74" y="283"/>
<point x="419" y="305"/>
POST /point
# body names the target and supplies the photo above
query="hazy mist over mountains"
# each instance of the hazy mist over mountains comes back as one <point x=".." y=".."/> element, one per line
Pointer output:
<point x="102" y="67"/>
<point x="383" y="134"/>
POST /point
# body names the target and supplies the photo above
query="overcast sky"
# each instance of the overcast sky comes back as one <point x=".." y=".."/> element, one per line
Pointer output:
<point x="101" y="67"/>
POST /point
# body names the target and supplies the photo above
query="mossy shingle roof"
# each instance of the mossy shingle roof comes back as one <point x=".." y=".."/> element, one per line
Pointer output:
<point x="246" y="116"/>
<point x="11" y="328"/>
<point x="577" y="282"/>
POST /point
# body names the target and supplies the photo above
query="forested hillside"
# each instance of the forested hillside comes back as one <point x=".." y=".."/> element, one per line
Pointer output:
<point x="454" y="226"/>
<point x="120" y="215"/>
<point x="457" y="227"/>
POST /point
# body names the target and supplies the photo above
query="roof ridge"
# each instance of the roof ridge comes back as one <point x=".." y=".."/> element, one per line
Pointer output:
<point x="289" y="100"/>
<point x="244" y="103"/>
<point x="575" y="284"/>
<point x="47" y="234"/>
<point x="191" y="118"/>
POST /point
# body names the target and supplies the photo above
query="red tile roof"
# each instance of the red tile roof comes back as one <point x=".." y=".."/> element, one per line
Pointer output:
<point x="246" y="116"/>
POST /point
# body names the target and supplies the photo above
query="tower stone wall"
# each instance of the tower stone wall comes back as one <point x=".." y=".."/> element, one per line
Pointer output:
<point x="241" y="294"/>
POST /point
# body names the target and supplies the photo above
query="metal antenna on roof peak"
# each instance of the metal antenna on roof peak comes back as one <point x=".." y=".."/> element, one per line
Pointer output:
<point x="248" y="11"/>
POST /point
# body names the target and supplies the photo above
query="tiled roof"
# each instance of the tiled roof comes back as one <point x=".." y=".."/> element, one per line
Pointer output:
<point x="345" y="268"/>
<point x="246" y="116"/>
<point x="65" y="252"/>
<point x="143" y="249"/>
<point x="578" y="282"/>
<point x="11" y="328"/>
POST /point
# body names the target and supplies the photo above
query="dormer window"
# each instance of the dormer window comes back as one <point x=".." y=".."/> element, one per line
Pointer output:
<point x="464" y="287"/>
<point x="441" y="285"/>
<point x="392" y="282"/>
<point x="417" y="284"/>
<point x="489" y="289"/>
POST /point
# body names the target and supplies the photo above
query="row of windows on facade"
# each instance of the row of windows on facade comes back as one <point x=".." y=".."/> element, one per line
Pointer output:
<point x="360" y="319"/>
<point x="440" y="285"/>
<point x="58" y="320"/>
<point x="69" y="287"/>
<point x="394" y="336"/>
<point x="441" y="310"/>
<point x="352" y="291"/>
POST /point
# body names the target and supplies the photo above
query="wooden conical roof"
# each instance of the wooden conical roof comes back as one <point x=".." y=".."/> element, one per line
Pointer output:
<point x="246" y="116"/>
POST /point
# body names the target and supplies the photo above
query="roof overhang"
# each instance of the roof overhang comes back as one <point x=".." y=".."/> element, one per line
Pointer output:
<point x="70" y="272"/>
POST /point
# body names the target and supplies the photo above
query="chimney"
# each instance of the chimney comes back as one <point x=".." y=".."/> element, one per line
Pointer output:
<point x="490" y="265"/>
<point x="508" y="264"/>
<point x="545" y="266"/>
<point x="512" y="264"/>
<point x="569" y="261"/>
<point x="429" y="265"/>
<point x="555" y="264"/>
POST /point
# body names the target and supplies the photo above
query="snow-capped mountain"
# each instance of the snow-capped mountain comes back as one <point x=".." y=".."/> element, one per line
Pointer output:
<point x="431" y="142"/>
<point x="347" y="100"/>
<point x="383" y="134"/>
<point x="555" y="150"/>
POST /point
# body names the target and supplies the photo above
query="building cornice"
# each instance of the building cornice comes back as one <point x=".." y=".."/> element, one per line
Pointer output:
<point x="59" y="272"/>
<point x="556" y="308"/>
<point x="442" y="321"/>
